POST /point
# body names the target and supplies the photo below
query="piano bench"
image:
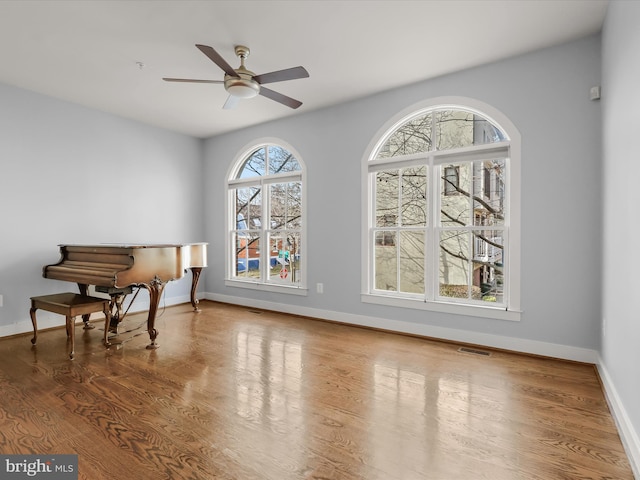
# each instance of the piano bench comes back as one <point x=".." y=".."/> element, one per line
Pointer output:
<point x="70" y="305"/>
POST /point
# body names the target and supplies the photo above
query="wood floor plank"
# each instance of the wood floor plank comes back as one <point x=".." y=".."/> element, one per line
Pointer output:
<point x="243" y="394"/>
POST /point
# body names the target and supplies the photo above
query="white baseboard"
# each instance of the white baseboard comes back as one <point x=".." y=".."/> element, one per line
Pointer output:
<point x="463" y="336"/>
<point x="628" y="435"/>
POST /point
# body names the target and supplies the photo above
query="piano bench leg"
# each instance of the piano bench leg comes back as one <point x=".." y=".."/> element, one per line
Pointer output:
<point x="107" y="325"/>
<point x="71" y="335"/>
<point x="32" y="313"/>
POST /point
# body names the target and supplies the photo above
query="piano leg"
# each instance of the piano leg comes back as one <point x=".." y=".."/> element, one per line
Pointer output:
<point x="117" y="296"/>
<point x="155" y="289"/>
<point x="84" y="291"/>
<point x="195" y="272"/>
<point x="117" y="299"/>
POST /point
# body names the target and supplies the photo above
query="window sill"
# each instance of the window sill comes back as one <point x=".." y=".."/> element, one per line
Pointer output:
<point x="467" y="310"/>
<point x="266" y="287"/>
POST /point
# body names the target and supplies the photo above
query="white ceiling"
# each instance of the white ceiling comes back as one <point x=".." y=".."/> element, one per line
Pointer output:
<point x="88" y="51"/>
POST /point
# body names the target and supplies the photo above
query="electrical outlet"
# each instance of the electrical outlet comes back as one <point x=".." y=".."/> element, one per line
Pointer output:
<point x="1" y="301"/>
<point x="319" y="288"/>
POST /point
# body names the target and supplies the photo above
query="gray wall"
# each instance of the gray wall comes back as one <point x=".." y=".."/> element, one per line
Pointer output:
<point x="621" y="253"/>
<point x="546" y="95"/>
<point x="74" y="175"/>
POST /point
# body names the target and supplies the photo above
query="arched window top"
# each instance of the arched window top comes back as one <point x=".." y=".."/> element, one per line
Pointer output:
<point x="268" y="160"/>
<point x="439" y="128"/>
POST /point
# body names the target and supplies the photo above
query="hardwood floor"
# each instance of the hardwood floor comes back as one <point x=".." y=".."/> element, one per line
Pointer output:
<point x="236" y="393"/>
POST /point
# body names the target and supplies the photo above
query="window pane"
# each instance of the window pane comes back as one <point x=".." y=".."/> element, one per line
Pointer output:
<point x="488" y="277"/>
<point x="247" y="254"/>
<point x="294" y="205"/>
<point x="412" y="137"/>
<point x="254" y="166"/>
<point x="385" y="238"/>
<point x="387" y="198"/>
<point x="455" y="183"/>
<point x="285" y="205"/>
<point x="278" y="204"/>
<point x="386" y="261"/>
<point x="412" y="246"/>
<point x="486" y="132"/>
<point x="451" y="179"/>
<point x="284" y="258"/>
<point x="457" y="128"/>
<point x="454" y="129"/>
<point x="454" y="264"/>
<point x="414" y="196"/>
<point x="281" y="160"/>
<point x="248" y="208"/>
<point x="488" y="195"/>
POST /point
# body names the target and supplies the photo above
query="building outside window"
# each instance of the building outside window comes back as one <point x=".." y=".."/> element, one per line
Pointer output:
<point x="451" y="179"/>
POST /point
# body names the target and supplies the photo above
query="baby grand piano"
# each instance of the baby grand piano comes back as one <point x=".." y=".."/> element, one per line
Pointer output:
<point x="116" y="268"/>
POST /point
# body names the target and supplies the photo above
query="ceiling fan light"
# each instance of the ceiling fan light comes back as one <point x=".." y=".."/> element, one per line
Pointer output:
<point x="242" y="89"/>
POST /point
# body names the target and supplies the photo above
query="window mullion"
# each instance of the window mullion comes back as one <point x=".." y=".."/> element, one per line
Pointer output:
<point x="473" y="190"/>
<point x="286" y="207"/>
<point x="371" y="214"/>
<point x="432" y="268"/>
<point x="265" y="248"/>
<point x="399" y="232"/>
<point x="431" y="258"/>
<point x="506" y="251"/>
<point x="470" y="242"/>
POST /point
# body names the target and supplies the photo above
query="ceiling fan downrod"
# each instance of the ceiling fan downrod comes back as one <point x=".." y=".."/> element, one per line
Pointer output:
<point x="242" y="86"/>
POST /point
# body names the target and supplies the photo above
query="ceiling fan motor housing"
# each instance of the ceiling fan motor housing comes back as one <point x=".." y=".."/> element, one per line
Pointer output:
<point x="242" y="86"/>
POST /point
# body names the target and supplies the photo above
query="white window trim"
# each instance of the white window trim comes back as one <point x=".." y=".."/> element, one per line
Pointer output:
<point x="513" y="181"/>
<point x="230" y="221"/>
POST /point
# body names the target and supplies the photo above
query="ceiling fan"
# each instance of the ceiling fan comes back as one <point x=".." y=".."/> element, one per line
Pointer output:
<point x="243" y="83"/>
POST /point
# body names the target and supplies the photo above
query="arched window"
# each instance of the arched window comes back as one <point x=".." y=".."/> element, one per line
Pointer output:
<point x="266" y="219"/>
<point x="443" y="213"/>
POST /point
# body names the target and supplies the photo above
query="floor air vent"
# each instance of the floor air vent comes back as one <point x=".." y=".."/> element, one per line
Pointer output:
<point x="474" y="351"/>
<point x="255" y="312"/>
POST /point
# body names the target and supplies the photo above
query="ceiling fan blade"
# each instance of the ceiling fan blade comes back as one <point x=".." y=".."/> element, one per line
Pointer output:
<point x="281" y="75"/>
<point x="217" y="59"/>
<point x="231" y="102"/>
<point x="278" y="97"/>
<point x="191" y="80"/>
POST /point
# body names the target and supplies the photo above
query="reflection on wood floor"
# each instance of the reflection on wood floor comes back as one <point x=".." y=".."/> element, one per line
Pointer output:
<point x="237" y="393"/>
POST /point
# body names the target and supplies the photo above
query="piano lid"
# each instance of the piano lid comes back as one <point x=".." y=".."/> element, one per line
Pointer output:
<point x="193" y="254"/>
<point x="124" y="245"/>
